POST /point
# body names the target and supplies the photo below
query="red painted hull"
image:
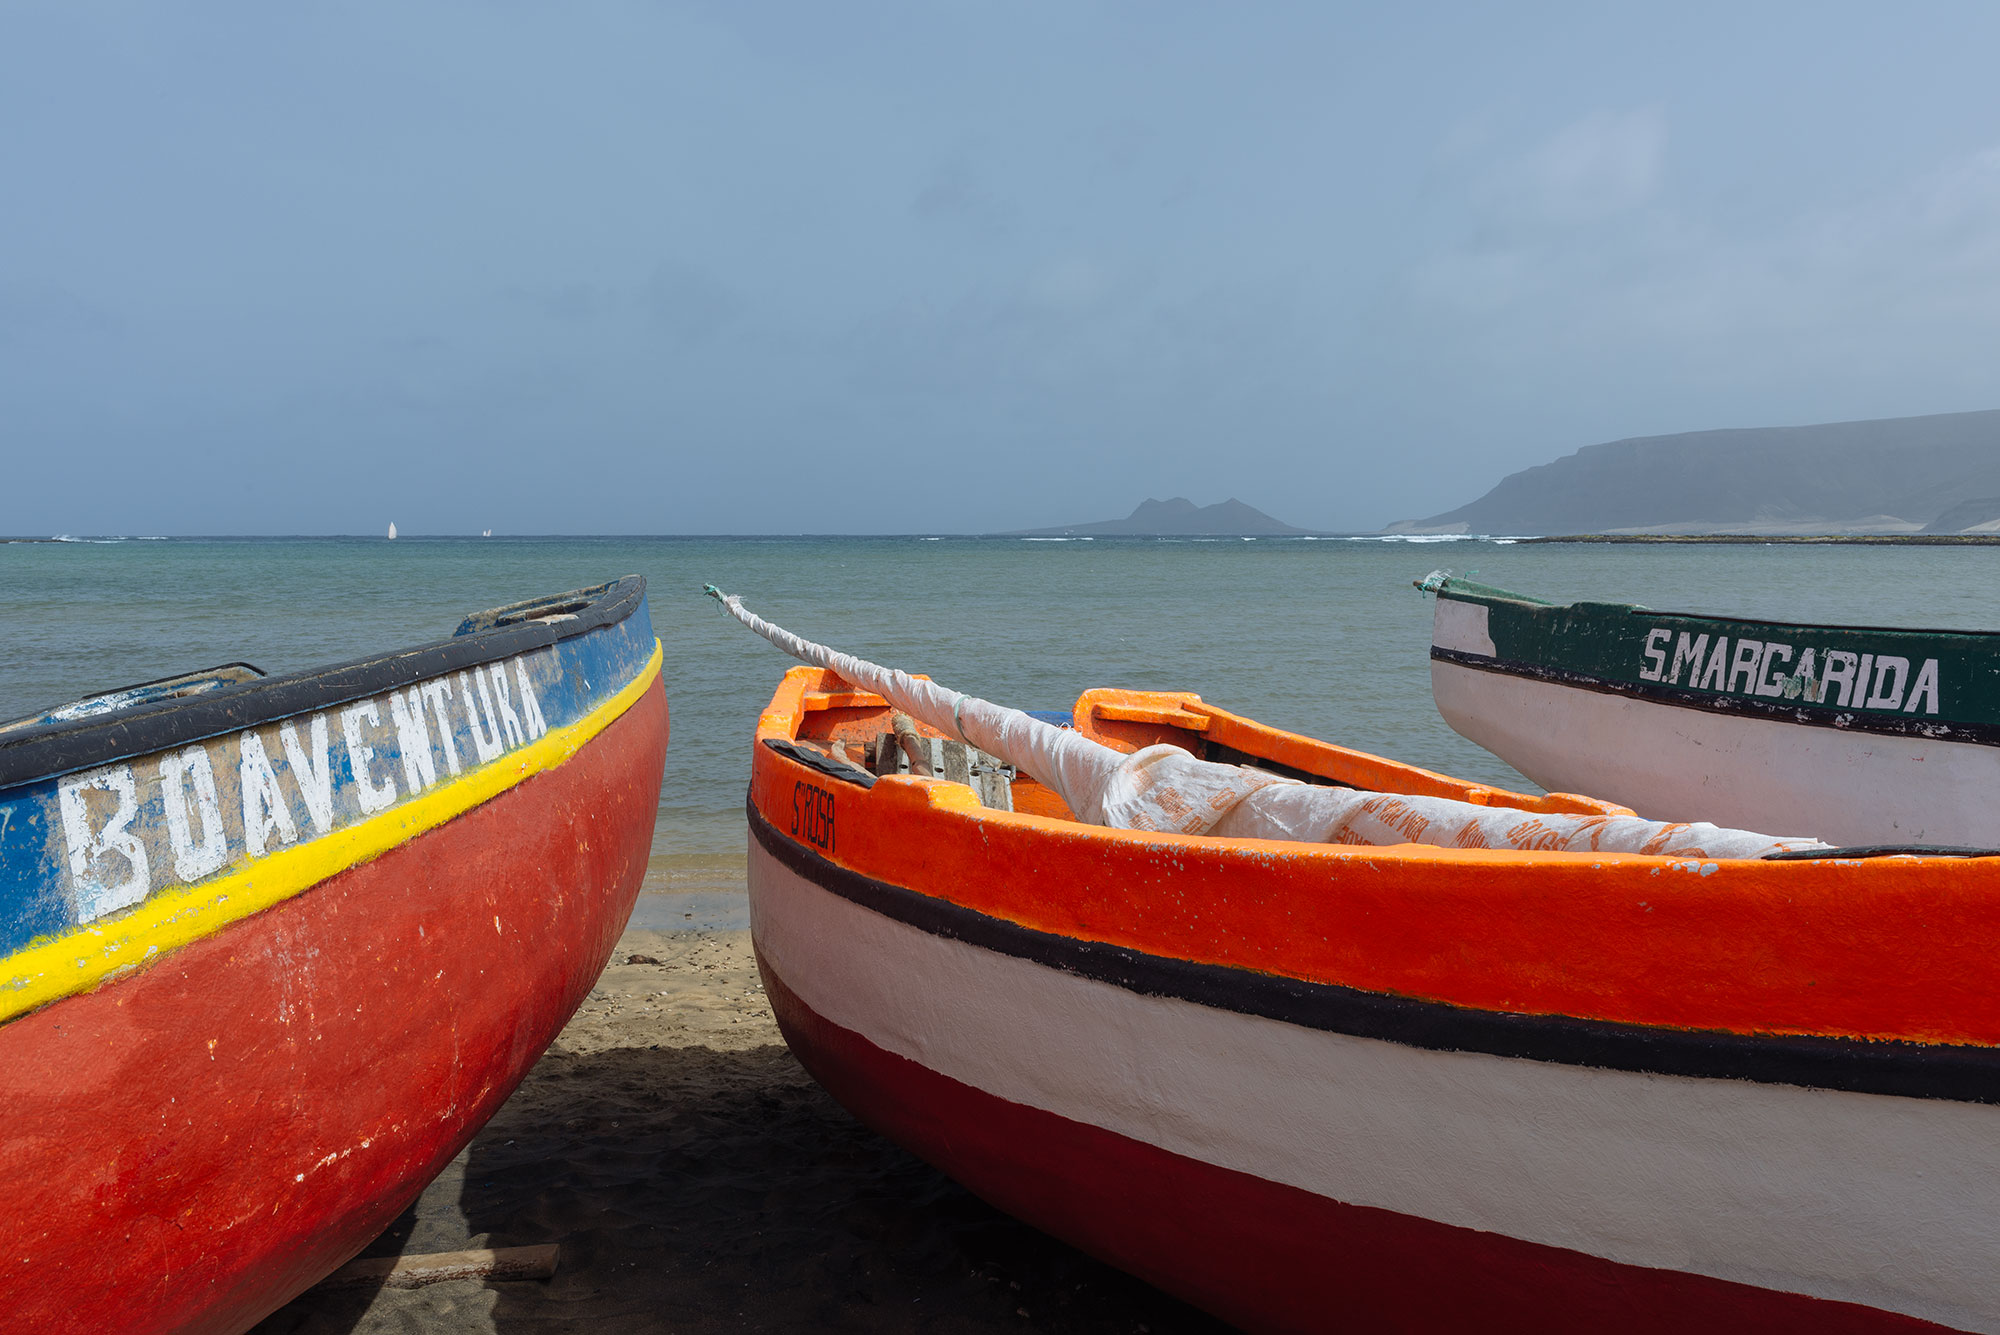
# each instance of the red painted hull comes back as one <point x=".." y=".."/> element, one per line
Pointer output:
<point x="190" y="1146"/>
<point x="1262" y="1254"/>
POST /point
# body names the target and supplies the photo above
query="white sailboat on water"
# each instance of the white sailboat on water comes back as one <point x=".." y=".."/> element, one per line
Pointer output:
<point x="392" y="530"/>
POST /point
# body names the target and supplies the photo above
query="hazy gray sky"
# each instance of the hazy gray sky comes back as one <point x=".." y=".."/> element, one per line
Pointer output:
<point x="728" y="267"/>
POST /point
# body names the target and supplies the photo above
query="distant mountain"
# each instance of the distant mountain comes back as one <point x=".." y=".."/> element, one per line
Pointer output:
<point x="1177" y="518"/>
<point x="1979" y="515"/>
<point x="1895" y="475"/>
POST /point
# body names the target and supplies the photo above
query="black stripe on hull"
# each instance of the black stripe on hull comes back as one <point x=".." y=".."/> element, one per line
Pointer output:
<point x="1959" y="1073"/>
<point x="1803" y="716"/>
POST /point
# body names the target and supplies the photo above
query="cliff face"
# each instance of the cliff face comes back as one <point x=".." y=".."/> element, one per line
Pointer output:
<point x="1178" y="518"/>
<point x="1894" y="475"/>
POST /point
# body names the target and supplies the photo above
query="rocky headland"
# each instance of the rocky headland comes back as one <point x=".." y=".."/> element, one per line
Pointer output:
<point x="1936" y="475"/>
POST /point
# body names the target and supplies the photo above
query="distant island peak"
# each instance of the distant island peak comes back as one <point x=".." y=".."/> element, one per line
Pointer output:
<point x="1177" y="517"/>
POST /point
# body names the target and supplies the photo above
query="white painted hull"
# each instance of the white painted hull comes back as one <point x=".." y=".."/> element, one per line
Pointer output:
<point x="1885" y="1201"/>
<point x="1669" y="762"/>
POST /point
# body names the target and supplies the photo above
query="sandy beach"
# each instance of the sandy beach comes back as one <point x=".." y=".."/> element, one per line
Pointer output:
<point x="698" y="1180"/>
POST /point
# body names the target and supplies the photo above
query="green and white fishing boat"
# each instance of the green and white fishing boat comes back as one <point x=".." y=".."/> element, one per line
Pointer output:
<point x="1857" y="735"/>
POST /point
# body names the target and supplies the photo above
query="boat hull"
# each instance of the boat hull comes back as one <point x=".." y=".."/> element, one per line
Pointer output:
<point x="238" y="1082"/>
<point x="1288" y="1179"/>
<point x="1420" y="1087"/>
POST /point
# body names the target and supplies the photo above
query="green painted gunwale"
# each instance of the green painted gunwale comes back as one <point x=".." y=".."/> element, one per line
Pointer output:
<point x="1606" y="643"/>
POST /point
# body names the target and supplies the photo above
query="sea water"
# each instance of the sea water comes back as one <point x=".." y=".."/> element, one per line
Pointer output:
<point x="1324" y="637"/>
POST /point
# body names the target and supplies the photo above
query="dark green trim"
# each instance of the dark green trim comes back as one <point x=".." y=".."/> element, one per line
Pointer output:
<point x="1946" y="684"/>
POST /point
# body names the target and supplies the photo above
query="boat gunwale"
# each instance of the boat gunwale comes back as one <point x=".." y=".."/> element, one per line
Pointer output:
<point x="1789" y="713"/>
<point x="48" y="750"/>
<point x="49" y="969"/>
<point x="944" y="797"/>
<point x="1485" y="594"/>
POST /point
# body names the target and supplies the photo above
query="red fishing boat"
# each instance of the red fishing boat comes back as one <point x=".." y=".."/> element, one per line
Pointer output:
<point x="1463" y="1059"/>
<point x="272" y="949"/>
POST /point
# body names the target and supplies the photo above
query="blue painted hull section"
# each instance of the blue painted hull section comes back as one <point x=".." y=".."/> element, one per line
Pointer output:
<point x="83" y="847"/>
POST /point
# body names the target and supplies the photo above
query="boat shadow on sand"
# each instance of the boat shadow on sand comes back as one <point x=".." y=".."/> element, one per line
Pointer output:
<point x="694" y="1189"/>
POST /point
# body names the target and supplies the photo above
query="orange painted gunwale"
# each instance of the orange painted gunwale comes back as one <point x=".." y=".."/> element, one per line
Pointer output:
<point x="1109" y="715"/>
<point x="1901" y="948"/>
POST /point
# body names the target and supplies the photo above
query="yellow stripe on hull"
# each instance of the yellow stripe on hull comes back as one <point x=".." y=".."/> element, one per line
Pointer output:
<point x="51" y="970"/>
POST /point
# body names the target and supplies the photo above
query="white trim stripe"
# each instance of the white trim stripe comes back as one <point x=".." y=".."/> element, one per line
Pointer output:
<point x="1669" y="763"/>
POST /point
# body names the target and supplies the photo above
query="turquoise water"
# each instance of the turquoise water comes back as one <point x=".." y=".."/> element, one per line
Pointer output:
<point x="1326" y="638"/>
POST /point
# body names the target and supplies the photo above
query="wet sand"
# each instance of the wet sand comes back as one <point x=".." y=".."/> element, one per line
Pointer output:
<point x="699" y="1181"/>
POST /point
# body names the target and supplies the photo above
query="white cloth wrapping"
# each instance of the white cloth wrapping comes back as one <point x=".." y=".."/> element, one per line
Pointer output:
<point x="1164" y="788"/>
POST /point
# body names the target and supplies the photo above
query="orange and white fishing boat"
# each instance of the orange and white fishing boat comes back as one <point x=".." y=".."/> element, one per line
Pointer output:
<point x="1380" y="1080"/>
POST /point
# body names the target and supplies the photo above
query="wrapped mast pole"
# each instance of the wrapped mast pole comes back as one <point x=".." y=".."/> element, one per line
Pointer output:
<point x="1101" y="785"/>
<point x="1164" y="788"/>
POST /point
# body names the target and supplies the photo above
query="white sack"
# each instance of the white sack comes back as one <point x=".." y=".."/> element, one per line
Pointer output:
<point x="1164" y="788"/>
<point x="1314" y="815"/>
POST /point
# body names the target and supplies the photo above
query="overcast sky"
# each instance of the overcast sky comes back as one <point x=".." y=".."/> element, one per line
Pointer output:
<point x="730" y="267"/>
